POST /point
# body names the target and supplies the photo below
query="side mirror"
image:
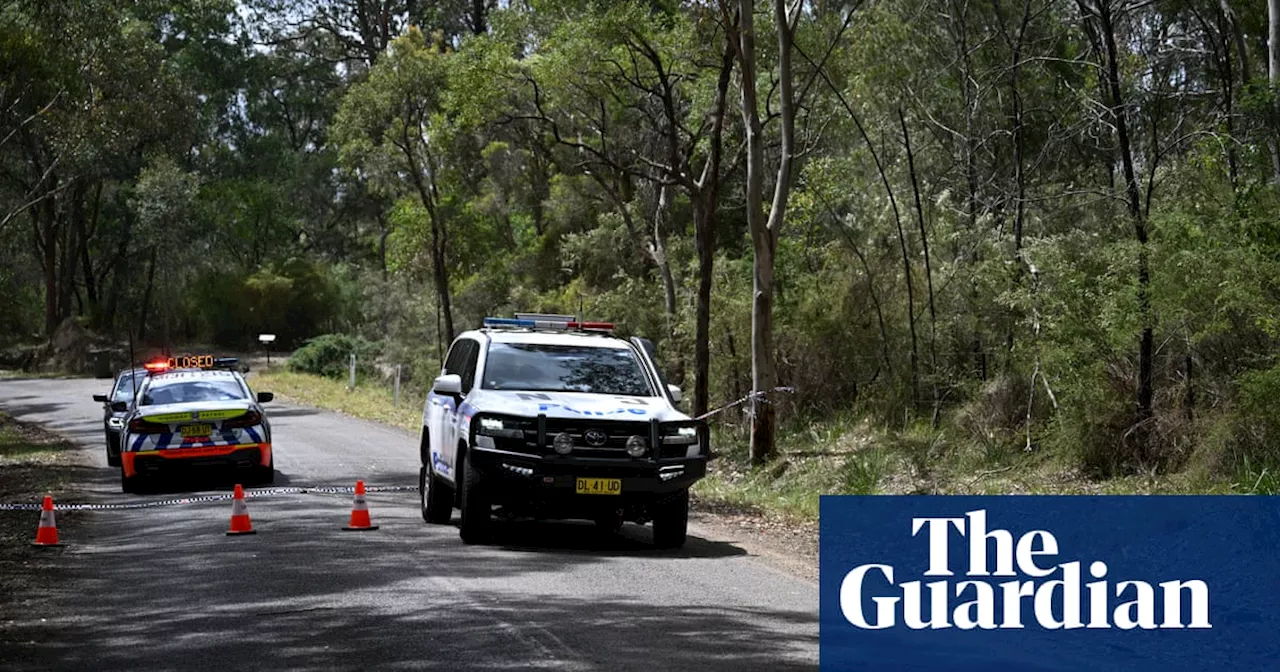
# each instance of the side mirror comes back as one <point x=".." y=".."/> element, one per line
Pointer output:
<point x="100" y="398"/>
<point x="449" y="384"/>
<point x="264" y="397"/>
<point x="120" y="406"/>
<point x="676" y="394"/>
<point x="244" y="368"/>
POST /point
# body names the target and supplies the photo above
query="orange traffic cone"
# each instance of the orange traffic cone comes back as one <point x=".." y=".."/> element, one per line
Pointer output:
<point x="47" y="533"/>
<point x="360" y="512"/>
<point x="240" y="523"/>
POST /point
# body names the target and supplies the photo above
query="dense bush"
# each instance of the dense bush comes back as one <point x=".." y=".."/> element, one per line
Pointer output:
<point x="329" y="355"/>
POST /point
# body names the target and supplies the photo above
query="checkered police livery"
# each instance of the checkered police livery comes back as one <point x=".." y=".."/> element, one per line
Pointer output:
<point x="193" y="418"/>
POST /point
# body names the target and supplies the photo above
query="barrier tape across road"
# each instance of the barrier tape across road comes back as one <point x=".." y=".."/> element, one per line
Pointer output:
<point x="199" y="499"/>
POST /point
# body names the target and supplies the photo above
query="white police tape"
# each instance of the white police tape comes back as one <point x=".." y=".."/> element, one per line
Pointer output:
<point x="761" y="395"/>
<point x="199" y="499"/>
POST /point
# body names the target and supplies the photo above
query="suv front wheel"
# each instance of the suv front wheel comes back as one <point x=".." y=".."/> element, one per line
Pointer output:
<point x="671" y="521"/>
<point x="476" y="508"/>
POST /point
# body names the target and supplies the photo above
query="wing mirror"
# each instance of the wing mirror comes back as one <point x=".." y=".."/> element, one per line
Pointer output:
<point x="264" y="397"/>
<point x="120" y="406"/>
<point x="449" y="384"/>
<point x="676" y="394"/>
<point x="100" y="398"/>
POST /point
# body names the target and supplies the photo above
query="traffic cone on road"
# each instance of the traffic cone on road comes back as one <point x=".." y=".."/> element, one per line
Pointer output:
<point x="360" y="512"/>
<point x="47" y="533"/>
<point x="240" y="523"/>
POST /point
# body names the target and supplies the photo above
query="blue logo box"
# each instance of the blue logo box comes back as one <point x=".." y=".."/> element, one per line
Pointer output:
<point x="1062" y="583"/>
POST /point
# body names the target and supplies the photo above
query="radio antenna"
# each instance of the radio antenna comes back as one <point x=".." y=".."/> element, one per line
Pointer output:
<point x="133" y="380"/>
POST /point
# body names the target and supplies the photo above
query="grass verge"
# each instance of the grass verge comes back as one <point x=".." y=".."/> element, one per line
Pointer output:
<point x="843" y="456"/>
<point x="33" y="462"/>
<point x="369" y="401"/>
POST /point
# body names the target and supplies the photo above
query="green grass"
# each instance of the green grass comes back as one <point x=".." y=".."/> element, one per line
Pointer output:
<point x="34" y="461"/>
<point x="18" y="444"/>
<point x="369" y="401"/>
<point x="842" y="456"/>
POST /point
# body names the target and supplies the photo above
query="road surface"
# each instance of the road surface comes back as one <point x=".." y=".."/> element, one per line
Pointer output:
<point x="164" y="588"/>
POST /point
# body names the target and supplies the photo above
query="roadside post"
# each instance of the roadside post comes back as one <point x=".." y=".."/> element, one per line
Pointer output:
<point x="352" y="385"/>
<point x="266" y="340"/>
<point x="396" y="398"/>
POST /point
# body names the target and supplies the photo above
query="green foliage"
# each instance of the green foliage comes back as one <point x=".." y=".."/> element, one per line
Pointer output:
<point x="214" y="170"/>
<point x="291" y="299"/>
<point x="329" y="355"/>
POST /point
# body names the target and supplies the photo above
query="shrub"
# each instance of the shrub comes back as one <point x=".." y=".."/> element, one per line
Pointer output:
<point x="329" y="356"/>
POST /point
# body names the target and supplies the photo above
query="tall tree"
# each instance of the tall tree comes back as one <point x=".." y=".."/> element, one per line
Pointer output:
<point x="765" y="231"/>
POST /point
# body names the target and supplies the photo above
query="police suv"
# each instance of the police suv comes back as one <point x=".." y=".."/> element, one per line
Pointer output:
<point x="544" y="416"/>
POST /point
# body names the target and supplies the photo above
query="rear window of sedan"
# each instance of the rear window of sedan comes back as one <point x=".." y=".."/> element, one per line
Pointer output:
<point x="186" y="390"/>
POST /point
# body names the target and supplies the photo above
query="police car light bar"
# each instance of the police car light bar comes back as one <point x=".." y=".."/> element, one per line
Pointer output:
<point x="190" y="362"/>
<point x="527" y="323"/>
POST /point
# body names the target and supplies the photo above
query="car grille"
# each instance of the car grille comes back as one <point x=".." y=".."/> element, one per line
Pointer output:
<point x="610" y="437"/>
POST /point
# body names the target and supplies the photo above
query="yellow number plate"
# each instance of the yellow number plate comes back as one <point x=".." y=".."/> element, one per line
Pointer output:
<point x="196" y="430"/>
<point x="599" y="486"/>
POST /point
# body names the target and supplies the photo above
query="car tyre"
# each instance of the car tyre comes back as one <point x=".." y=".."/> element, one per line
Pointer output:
<point x="436" y="502"/>
<point x="671" y="521"/>
<point x="130" y="485"/>
<point x="477" y="511"/>
<point x="113" y="454"/>
<point x="609" y="522"/>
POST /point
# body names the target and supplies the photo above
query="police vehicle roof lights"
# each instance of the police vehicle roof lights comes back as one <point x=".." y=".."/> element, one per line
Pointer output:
<point x="548" y="322"/>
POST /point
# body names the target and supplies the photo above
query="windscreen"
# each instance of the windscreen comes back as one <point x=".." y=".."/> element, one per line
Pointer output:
<point x="125" y="385"/>
<point x="181" y="391"/>
<point x="536" y="367"/>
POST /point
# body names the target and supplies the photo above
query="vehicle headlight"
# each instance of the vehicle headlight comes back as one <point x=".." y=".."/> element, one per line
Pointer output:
<point x="636" y="446"/>
<point x="115" y="423"/>
<point x="499" y="427"/>
<point x="685" y="436"/>
<point x="563" y="443"/>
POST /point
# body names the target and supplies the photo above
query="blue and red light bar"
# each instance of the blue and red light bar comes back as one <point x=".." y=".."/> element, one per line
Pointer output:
<point x="527" y="323"/>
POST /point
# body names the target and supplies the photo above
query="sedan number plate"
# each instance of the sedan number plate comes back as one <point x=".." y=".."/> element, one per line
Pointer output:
<point x="196" y="430"/>
<point x="599" y="486"/>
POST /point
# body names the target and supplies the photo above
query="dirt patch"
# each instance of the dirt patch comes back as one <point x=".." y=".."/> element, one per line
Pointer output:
<point x="787" y="544"/>
<point x="33" y="462"/>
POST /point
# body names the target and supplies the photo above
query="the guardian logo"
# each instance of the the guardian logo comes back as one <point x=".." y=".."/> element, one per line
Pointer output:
<point x="1043" y="599"/>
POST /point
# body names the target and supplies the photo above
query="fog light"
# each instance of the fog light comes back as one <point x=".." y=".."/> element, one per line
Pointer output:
<point x="563" y="443"/>
<point x="635" y="446"/>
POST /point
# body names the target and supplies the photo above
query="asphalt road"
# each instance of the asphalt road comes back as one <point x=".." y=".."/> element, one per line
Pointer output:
<point x="164" y="588"/>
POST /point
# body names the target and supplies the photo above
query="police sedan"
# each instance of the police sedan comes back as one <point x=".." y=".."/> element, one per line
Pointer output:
<point x="195" y="412"/>
<point x="112" y="420"/>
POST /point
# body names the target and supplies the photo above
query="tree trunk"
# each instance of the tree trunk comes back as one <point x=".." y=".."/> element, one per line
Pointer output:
<point x="658" y="251"/>
<point x="479" y="16"/>
<point x="928" y="268"/>
<point x="86" y="264"/>
<point x="146" y="295"/>
<point x="49" y="225"/>
<point x="439" y="238"/>
<point x="764" y="232"/>
<point x="1273" y="75"/>
<point x="705" y="201"/>
<point x="70" y="261"/>
<point x="1134" y="201"/>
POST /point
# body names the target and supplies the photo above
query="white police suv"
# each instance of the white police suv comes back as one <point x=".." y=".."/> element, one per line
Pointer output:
<point x="543" y="416"/>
